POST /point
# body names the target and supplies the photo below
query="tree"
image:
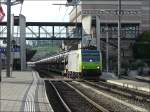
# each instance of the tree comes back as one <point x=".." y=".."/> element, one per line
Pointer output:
<point x="141" y="48"/>
<point x="29" y="54"/>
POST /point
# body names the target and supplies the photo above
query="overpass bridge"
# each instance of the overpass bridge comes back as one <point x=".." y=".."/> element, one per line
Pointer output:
<point x="46" y="30"/>
<point x="68" y="32"/>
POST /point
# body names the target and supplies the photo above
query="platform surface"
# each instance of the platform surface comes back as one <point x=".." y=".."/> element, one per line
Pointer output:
<point x="144" y="78"/>
<point x="142" y="86"/>
<point x="23" y="92"/>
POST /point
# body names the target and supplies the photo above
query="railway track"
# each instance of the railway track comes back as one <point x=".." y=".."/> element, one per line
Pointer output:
<point x="143" y="80"/>
<point x="54" y="100"/>
<point x="110" y="98"/>
<point x="125" y="99"/>
<point x="138" y="79"/>
<point x="123" y="91"/>
<point x="68" y="99"/>
<point x="116" y="89"/>
<point x="48" y="74"/>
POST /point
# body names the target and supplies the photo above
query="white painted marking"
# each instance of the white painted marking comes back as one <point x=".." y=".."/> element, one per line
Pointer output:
<point x="113" y="98"/>
<point x="29" y="103"/>
<point x="146" y="89"/>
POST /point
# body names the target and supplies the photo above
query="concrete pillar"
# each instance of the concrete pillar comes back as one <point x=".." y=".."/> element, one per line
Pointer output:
<point x="22" y="24"/>
<point x="98" y="32"/>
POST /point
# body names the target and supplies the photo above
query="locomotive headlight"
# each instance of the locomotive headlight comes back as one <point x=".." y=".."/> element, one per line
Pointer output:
<point x="98" y="67"/>
<point x="83" y="67"/>
<point x="91" y="60"/>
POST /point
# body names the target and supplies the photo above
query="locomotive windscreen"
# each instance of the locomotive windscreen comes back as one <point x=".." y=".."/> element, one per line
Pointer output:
<point x="90" y="56"/>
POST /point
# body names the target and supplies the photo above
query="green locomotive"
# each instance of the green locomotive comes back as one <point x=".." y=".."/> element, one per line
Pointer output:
<point x="81" y="63"/>
<point x="84" y="63"/>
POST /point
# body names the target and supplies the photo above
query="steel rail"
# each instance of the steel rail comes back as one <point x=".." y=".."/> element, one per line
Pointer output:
<point x="62" y="101"/>
<point x="88" y="99"/>
<point x="112" y="102"/>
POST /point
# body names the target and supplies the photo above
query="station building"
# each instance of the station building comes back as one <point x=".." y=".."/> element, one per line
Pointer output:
<point x="135" y="19"/>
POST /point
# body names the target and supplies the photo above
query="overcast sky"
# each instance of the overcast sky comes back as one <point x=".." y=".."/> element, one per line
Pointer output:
<point x="43" y="11"/>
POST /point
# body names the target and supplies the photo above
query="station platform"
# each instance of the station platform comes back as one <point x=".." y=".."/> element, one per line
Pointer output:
<point x="145" y="78"/>
<point x="142" y="86"/>
<point x="23" y="92"/>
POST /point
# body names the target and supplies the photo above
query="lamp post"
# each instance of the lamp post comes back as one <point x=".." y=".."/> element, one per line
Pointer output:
<point x="98" y="32"/>
<point x="119" y="32"/>
<point x="8" y="38"/>
<point x="107" y="48"/>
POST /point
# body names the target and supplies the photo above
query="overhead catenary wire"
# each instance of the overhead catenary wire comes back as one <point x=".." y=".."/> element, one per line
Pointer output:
<point x="65" y="14"/>
<point x="60" y="30"/>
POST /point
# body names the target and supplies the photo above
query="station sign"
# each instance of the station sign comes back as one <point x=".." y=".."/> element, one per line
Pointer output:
<point x="3" y="50"/>
<point x="105" y="11"/>
<point x="92" y="12"/>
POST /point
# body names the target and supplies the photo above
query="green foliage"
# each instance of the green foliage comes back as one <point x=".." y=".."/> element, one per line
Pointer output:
<point x="48" y="49"/>
<point x="133" y="66"/>
<point x="136" y="65"/>
<point x="141" y="48"/>
<point x="29" y="54"/>
<point x="144" y="37"/>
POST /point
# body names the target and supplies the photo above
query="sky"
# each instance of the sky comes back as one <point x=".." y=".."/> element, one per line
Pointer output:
<point x="41" y="11"/>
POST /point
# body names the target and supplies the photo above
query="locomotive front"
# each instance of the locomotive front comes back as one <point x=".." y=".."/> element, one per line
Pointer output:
<point x="91" y="64"/>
